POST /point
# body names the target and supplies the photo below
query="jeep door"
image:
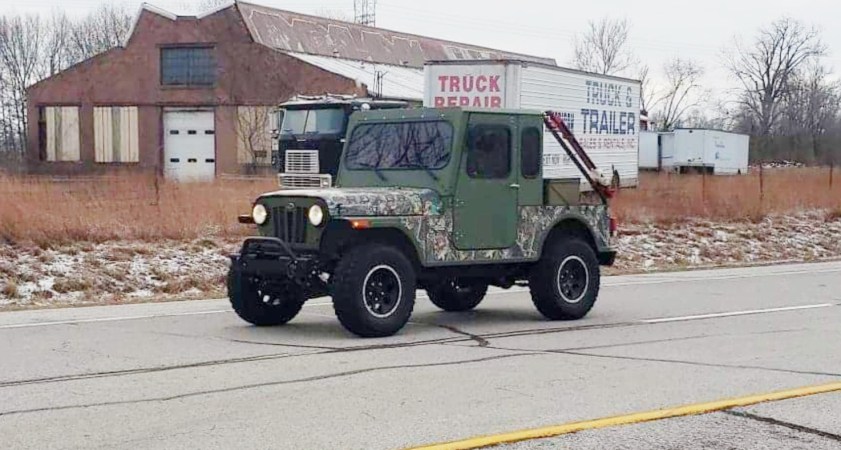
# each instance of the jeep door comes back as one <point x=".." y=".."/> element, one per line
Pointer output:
<point x="485" y="209"/>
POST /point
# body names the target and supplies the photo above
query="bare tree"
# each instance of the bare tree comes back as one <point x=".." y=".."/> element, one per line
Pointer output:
<point x="57" y="54"/>
<point x="105" y="28"/>
<point x="254" y="139"/>
<point x="811" y="112"/>
<point x="20" y="55"/>
<point x="679" y="95"/>
<point x="766" y="67"/>
<point x="603" y="48"/>
<point x="646" y="88"/>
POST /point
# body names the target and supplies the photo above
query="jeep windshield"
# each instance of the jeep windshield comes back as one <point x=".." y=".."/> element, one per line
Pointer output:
<point x="400" y="145"/>
<point x="313" y="121"/>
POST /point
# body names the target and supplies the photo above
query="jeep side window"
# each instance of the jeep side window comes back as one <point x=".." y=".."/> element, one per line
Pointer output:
<point x="530" y="152"/>
<point x="489" y="151"/>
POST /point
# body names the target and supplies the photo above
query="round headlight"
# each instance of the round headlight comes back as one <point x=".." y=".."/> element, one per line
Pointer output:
<point x="316" y="215"/>
<point x="259" y="214"/>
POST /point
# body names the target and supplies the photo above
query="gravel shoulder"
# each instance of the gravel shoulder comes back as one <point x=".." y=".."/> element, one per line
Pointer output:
<point x="118" y="272"/>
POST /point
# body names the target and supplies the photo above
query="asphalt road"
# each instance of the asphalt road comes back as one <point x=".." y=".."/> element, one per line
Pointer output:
<point x="192" y="375"/>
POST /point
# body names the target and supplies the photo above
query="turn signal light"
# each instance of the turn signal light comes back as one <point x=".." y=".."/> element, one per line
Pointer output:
<point x="360" y="224"/>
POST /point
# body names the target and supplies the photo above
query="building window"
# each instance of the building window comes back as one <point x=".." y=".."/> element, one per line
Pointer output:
<point x="116" y="134"/>
<point x="489" y="152"/>
<point x="59" y="133"/>
<point x="188" y="66"/>
<point x="530" y="158"/>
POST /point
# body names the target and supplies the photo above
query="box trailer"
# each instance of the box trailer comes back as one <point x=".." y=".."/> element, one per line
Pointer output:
<point x="602" y="111"/>
<point x="649" y="152"/>
<point x="702" y="150"/>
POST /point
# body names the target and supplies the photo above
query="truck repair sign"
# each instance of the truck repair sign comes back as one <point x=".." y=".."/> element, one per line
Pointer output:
<point x="468" y="86"/>
<point x="602" y="111"/>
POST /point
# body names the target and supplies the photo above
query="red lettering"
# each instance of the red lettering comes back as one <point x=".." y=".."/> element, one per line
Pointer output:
<point x="454" y="84"/>
<point x="477" y="102"/>
<point x="439" y="102"/>
<point x="464" y="101"/>
<point x="494" y="83"/>
<point x="467" y="83"/>
<point x="496" y="102"/>
<point x="482" y="83"/>
<point x="443" y="80"/>
<point x="452" y="101"/>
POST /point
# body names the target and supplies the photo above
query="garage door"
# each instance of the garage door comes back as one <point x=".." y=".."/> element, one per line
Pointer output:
<point x="189" y="145"/>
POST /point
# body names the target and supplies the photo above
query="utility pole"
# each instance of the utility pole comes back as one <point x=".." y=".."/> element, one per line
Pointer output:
<point x="365" y="12"/>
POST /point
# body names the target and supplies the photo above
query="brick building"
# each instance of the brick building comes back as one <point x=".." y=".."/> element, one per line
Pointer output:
<point x="192" y="96"/>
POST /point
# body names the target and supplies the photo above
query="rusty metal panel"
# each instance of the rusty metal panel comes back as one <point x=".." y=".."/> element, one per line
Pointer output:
<point x="293" y="32"/>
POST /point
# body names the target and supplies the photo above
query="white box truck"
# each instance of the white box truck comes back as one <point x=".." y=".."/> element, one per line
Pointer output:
<point x="602" y="111"/>
<point x="649" y="154"/>
<point x="701" y="150"/>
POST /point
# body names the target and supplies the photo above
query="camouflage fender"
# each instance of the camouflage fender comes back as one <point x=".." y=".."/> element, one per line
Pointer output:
<point x="433" y="234"/>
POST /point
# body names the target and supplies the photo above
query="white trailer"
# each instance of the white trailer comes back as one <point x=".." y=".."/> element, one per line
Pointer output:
<point x="649" y="154"/>
<point x="602" y="111"/>
<point x="701" y="150"/>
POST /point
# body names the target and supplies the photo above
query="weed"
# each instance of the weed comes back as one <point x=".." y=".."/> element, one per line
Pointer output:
<point x="10" y="289"/>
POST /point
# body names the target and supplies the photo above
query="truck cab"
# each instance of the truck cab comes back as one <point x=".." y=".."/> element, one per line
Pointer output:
<point x="449" y="200"/>
<point x="311" y="136"/>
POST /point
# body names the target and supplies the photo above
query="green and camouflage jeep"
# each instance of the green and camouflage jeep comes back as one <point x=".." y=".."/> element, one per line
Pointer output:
<point x="447" y="200"/>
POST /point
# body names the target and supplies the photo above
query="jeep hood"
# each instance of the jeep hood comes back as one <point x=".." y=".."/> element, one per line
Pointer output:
<point x="369" y="202"/>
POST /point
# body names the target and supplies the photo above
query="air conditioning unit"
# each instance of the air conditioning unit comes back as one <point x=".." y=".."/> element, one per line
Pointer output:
<point x="304" y="181"/>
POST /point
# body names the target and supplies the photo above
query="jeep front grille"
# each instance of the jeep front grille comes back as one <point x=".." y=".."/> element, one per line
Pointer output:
<point x="301" y="161"/>
<point x="290" y="224"/>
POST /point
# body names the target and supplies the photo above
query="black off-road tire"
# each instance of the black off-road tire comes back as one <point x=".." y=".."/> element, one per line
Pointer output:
<point x="548" y="288"/>
<point x="254" y="307"/>
<point x="452" y="296"/>
<point x="359" y="310"/>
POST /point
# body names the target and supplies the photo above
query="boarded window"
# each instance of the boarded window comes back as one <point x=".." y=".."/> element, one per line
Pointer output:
<point x="188" y="66"/>
<point x="254" y="135"/>
<point x="62" y="133"/>
<point x="116" y="134"/>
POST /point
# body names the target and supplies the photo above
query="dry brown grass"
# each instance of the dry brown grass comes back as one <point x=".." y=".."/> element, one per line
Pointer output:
<point x="671" y="198"/>
<point x="130" y="207"/>
<point x="51" y="213"/>
<point x="10" y="289"/>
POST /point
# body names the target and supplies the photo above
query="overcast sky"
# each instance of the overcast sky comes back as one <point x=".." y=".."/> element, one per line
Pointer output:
<point x="661" y="29"/>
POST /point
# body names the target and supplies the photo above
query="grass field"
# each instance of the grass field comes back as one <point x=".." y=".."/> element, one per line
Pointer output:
<point x="664" y="198"/>
<point x="136" y="207"/>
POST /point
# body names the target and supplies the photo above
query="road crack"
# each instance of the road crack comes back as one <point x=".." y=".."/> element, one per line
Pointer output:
<point x="266" y="384"/>
<point x="781" y="423"/>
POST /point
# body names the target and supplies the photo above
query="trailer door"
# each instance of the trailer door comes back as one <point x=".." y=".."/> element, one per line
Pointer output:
<point x="485" y="212"/>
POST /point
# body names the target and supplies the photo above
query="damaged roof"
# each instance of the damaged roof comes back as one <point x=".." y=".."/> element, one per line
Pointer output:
<point x="299" y="33"/>
<point x="396" y="82"/>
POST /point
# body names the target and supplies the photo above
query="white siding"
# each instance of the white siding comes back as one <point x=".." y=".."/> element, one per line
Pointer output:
<point x="116" y="134"/>
<point x="62" y="133"/>
<point x="612" y="145"/>
<point x="254" y="134"/>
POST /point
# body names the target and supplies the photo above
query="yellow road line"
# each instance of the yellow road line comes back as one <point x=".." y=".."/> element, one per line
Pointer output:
<point x="688" y="410"/>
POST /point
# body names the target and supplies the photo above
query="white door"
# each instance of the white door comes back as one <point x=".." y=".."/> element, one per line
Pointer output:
<point x="189" y="145"/>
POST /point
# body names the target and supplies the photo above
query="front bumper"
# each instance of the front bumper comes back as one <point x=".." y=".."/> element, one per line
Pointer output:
<point x="272" y="258"/>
